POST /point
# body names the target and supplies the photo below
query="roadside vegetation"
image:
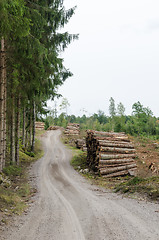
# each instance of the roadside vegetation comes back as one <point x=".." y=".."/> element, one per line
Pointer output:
<point x="15" y="190"/>
<point x="143" y="186"/>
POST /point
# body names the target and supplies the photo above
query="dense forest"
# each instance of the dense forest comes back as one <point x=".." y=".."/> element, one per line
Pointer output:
<point x="30" y="68"/>
<point x="140" y="122"/>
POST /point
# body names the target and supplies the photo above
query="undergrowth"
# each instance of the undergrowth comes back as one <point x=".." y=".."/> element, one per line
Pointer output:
<point x="14" y="188"/>
<point x="79" y="160"/>
<point x="147" y="186"/>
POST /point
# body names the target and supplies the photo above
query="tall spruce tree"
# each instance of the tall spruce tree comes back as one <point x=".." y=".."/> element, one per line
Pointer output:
<point x="13" y="23"/>
<point x="29" y="30"/>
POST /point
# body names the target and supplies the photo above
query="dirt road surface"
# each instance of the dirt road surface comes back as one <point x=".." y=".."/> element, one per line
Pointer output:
<point x="69" y="208"/>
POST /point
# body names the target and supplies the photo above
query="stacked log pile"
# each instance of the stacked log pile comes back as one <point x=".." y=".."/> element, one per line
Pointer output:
<point x="40" y="125"/>
<point x="55" y="128"/>
<point x="72" y="129"/>
<point x="110" y="154"/>
<point x="81" y="144"/>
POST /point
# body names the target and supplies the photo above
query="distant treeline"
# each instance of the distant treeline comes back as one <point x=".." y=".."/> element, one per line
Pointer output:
<point x="140" y="122"/>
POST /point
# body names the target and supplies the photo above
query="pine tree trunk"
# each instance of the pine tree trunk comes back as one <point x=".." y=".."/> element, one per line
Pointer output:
<point x="5" y="116"/>
<point x="33" y="130"/>
<point x="17" y="131"/>
<point x="24" y="123"/>
<point x="2" y="81"/>
<point x="30" y="129"/>
<point x="12" y="136"/>
<point x="26" y="139"/>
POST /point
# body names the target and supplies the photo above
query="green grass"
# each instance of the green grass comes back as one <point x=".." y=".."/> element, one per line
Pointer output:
<point x="15" y="191"/>
<point x="148" y="187"/>
<point x="11" y="200"/>
<point x="79" y="160"/>
<point x="12" y="171"/>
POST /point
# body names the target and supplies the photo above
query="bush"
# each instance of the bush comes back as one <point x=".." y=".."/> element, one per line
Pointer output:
<point x="12" y="170"/>
<point x="31" y="154"/>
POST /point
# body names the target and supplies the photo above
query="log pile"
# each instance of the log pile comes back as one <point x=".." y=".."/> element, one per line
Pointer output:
<point x="81" y="144"/>
<point x="40" y="125"/>
<point x="110" y="154"/>
<point x="72" y="129"/>
<point x="55" y="128"/>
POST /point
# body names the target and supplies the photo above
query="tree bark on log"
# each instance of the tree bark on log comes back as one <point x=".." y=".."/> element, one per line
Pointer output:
<point x="115" y="139"/>
<point x="113" y="161"/>
<point x="101" y="166"/>
<point x="117" y="150"/>
<point x="120" y="173"/>
<point x="103" y="143"/>
<point x="119" y="156"/>
<point x="116" y="169"/>
<point x="108" y="133"/>
<point x="109" y="153"/>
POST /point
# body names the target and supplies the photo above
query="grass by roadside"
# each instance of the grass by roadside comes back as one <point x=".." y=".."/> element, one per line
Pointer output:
<point x="15" y="191"/>
<point x="135" y="187"/>
<point x="147" y="187"/>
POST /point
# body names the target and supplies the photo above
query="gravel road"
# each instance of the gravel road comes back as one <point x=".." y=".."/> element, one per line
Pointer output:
<point x="67" y="207"/>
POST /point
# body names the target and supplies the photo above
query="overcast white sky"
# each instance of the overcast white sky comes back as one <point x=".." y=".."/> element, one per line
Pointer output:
<point x="117" y="55"/>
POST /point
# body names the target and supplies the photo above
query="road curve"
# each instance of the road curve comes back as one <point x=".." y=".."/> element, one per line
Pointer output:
<point x="69" y="208"/>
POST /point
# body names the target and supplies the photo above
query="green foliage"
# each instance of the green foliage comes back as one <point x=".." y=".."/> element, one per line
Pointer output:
<point x="135" y="181"/>
<point x="13" y="20"/>
<point x="79" y="161"/>
<point x="12" y="170"/>
<point x="64" y="105"/>
<point x="30" y="32"/>
<point x="146" y="186"/>
<point x="141" y="122"/>
<point x="120" y="109"/>
<point x="31" y="154"/>
<point x="112" y="109"/>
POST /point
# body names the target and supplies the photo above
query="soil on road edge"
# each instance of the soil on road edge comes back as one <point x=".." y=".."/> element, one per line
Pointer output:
<point x="67" y="207"/>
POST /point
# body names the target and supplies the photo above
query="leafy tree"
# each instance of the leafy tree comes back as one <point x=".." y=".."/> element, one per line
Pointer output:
<point x="64" y="105"/>
<point x="142" y="118"/>
<point x="112" y="109"/>
<point x="120" y="109"/>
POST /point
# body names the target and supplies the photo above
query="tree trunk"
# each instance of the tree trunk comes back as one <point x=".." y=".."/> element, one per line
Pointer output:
<point x="2" y="81"/>
<point x="24" y="122"/>
<point x="33" y="132"/>
<point x="12" y="136"/>
<point x="17" y="131"/>
<point x="120" y="173"/>
<point x="5" y="115"/>
<point x="107" y="143"/>
<point x="115" y="161"/>
<point x="117" y="150"/>
<point x="118" y="156"/>
<point x="104" y="171"/>
<point x="30" y="129"/>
